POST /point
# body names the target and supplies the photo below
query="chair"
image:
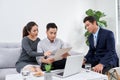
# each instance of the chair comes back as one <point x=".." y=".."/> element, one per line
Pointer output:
<point x="114" y="74"/>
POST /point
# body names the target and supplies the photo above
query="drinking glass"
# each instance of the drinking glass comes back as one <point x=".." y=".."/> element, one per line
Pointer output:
<point x="88" y="67"/>
<point x="25" y="74"/>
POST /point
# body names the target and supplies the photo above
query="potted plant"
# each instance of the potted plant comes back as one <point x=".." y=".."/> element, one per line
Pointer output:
<point x="98" y="15"/>
<point x="48" y="75"/>
<point x="48" y="67"/>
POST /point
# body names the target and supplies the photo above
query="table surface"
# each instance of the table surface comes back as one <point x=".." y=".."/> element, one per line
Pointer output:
<point x="83" y="75"/>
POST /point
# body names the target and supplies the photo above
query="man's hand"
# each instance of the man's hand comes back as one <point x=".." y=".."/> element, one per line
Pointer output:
<point x="98" y="68"/>
<point x="65" y="55"/>
<point x="84" y="60"/>
<point x="48" y="53"/>
<point x="48" y="60"/>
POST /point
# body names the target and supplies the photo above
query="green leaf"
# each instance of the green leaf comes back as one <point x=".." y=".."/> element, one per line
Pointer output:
<point x="98" y="15"/>
<point x="90" y="12"/>
<point x="87" y="42"/>
<point x="87" y="34"/>
<point x="48" y="67"/>
<point x="103" y="22"/>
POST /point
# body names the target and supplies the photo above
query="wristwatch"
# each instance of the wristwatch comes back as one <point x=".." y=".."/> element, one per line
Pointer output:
<point x="45" y="57"/>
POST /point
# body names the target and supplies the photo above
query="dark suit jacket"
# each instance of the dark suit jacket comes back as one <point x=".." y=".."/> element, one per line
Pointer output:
<point x="104" y="52"/>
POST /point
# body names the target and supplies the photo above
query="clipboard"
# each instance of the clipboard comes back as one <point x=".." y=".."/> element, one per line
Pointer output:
<point x="60" y="52"/>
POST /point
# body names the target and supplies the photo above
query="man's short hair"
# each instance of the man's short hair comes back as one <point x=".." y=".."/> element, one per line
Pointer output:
<point x="91" y="19"/>
<point x="51" y="25"/>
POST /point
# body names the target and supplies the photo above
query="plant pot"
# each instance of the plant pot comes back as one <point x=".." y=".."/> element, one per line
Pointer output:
<point x="48" y="76"/>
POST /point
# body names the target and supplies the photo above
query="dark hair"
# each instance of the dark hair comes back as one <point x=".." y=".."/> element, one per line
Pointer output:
<point x="91" y="19"/>
<point x="51" y="25"/>
<point x="28" y="27"/>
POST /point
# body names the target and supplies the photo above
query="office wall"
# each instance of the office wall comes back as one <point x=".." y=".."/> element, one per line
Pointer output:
<point x="67" y="14"/>
<point x="119" y="21"/>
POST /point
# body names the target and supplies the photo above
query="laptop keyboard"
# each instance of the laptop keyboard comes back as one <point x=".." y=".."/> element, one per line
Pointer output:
<point x="60" y="73"/>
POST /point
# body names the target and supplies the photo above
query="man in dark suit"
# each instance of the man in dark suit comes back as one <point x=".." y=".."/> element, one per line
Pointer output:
<point x="102" y="54"/>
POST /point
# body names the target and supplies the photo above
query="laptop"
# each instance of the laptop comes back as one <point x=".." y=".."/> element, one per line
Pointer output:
<point x="73" y="66"/>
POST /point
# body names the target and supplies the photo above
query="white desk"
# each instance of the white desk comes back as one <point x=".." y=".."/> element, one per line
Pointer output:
<point x="80" y="76"/>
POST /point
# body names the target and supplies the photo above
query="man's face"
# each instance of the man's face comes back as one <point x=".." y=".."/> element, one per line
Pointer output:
<point x="90" y="26"/>
<point x="51" y="34"/>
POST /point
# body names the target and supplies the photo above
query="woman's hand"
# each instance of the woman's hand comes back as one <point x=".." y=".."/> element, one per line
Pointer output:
<point x="43" y="60"/>
<point x="48" y="53"/>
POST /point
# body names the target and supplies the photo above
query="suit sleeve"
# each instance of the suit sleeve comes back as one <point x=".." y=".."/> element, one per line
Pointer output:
<point x="91" y="50"/>
<point x="110" y="51"/>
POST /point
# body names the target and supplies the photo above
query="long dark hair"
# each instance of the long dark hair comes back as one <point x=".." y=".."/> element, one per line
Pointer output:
<point x="28" y="27"/>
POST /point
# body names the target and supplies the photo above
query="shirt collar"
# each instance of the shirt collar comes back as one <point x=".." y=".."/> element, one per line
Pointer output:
<point x="95" y="34"/>
<point x="50" y="41"/>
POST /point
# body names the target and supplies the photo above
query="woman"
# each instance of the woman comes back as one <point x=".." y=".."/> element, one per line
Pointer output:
<point x="27" y="60"/>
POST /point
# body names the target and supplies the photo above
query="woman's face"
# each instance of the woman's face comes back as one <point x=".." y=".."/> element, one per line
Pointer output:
<point x="34" y="31"/>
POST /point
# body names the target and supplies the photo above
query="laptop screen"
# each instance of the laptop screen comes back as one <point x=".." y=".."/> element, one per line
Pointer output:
<point x="73" y="66"/>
